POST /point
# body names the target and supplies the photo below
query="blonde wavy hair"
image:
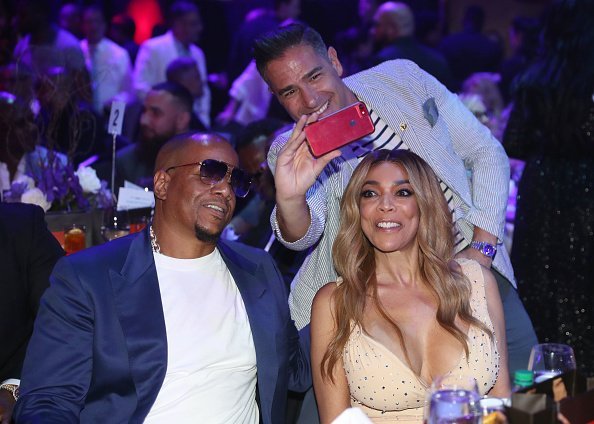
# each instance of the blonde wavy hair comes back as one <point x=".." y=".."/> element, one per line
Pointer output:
<point x="354" y="257"/>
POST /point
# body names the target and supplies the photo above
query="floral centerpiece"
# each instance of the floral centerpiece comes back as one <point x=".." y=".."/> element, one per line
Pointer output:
<point x="59" y="188"/>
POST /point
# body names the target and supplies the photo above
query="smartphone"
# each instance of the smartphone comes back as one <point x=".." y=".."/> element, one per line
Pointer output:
<point x="338" y="129"/>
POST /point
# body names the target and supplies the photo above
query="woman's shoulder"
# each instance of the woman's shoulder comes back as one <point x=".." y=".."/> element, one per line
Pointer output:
<point x="475" y="272"/>
<point x="322" y="309"/>
<point x="468" y="267"/>
<point x="324" y="296"/>
<point x="326" y="291"/>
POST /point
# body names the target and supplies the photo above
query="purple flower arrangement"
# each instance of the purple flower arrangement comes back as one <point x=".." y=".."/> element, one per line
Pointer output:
<point x="57" y="187"/>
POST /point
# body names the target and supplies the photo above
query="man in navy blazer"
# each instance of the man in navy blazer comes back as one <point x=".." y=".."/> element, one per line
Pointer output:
<point x="120" y="327"/>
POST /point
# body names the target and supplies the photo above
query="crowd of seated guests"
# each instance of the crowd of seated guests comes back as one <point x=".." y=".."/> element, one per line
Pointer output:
<point x="71" y="62"/>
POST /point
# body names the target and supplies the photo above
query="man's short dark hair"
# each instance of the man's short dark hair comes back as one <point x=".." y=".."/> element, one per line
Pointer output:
<point x="179" y="66"/>
<point x="179" y="9"/>
<point x="275" y="43"/>
<point x="181" y="94"/>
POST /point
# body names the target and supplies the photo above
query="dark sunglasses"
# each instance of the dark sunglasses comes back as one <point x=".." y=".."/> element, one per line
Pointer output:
<point x="213" y="171"/>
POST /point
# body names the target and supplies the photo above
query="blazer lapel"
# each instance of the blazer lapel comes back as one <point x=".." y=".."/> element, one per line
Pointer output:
<point x="374" y="92"/>
<point x="138" y="305"/>
<point x="403" y="112"/>
<point x="262" y="314"/>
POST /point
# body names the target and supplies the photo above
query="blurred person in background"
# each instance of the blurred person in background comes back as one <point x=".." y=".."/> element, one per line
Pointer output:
<point x="551" y="127"/>
<point x="355" y="45"/>
<point x="21" y="156"/>
<point x="523" y="42"/>
<point x="470" y="50"/>
<point x="157" y="53"/>
<point x="45" y="45"/>
<point x="66" y="119"/>
<point x="394" y="38"/>
<point x="166" y="112"/>
<point x="184" y="71"/>
<point x="121" y="30"/>
<point x="249" y="97"/>
<point x="18" y="80"/>
<point x="70" y="19"/>
<point x="257" y="22"/>
<point x="108" y="64"/>
<point x="483" y="86"/>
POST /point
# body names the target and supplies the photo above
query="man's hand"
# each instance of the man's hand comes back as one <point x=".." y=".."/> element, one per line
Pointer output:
<point x="6" y="406"/>
<point x="296" y="171"/>
<point x="470" y="253"/>
<point x="296" y="168"/>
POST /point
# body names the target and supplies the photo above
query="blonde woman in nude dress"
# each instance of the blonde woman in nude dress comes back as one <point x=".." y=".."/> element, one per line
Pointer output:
<point x="403" y="311"/>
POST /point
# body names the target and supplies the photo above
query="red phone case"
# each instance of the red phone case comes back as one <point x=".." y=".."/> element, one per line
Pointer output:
<point x="339" y="128"/>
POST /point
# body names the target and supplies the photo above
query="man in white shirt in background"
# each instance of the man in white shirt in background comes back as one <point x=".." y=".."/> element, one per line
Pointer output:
<point x="157" y="53"/>
<point x="108" y="64"/>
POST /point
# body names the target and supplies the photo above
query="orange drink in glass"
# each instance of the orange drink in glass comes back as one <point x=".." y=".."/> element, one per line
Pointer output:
<point x="74" y="238"/>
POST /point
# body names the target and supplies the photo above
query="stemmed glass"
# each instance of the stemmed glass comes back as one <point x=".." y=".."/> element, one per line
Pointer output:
<point x="548" y="360"/>
<point x="115" y="224"/>
<point x="454" y="400"/>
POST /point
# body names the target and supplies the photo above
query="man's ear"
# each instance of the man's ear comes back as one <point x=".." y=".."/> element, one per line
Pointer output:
<point x="161" y="184"/>
<point x="333" y="57"/>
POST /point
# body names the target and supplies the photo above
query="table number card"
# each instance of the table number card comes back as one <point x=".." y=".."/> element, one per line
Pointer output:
<point x="116" y="117"/>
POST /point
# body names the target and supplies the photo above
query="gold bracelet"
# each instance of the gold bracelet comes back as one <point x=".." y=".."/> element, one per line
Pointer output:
<point x="12" y="388"/>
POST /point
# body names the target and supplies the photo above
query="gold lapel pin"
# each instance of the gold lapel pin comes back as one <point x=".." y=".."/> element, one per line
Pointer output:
<point x="403" y="126"/>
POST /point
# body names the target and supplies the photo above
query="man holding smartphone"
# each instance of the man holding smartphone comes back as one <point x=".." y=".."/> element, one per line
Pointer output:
<point x="410" y="110"/>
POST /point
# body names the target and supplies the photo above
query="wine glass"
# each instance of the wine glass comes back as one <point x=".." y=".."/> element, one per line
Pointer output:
<point x="454" y="400"/>
<point x="115" y="224"/>
<point x="548" y="360"/>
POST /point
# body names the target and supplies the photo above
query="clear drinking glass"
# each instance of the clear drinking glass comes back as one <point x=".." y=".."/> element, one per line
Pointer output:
<point x="74" y="238"/>
<point x="548" y="360"/>
<point x="492" y="410"/>
<point x="115" y="224"/>
<point x="454" y="400"/>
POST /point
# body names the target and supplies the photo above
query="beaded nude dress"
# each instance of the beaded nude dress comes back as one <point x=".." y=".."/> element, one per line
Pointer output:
<point x="388" y="391"/>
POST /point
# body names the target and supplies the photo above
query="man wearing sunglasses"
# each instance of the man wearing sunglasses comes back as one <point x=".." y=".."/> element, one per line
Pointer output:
<point x="170" y="324"/>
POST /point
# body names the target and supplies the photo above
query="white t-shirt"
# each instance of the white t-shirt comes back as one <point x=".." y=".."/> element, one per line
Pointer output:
<point x="211" y="366"/>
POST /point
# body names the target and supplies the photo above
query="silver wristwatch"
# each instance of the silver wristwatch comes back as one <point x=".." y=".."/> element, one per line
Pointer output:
<point x="485" y="248"/>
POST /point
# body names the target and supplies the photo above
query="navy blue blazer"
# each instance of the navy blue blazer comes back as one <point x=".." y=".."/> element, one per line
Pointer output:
<point x="99" y="349"/>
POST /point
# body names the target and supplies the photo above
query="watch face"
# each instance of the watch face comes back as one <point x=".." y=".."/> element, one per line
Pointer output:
<point x="488" y="250"/>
